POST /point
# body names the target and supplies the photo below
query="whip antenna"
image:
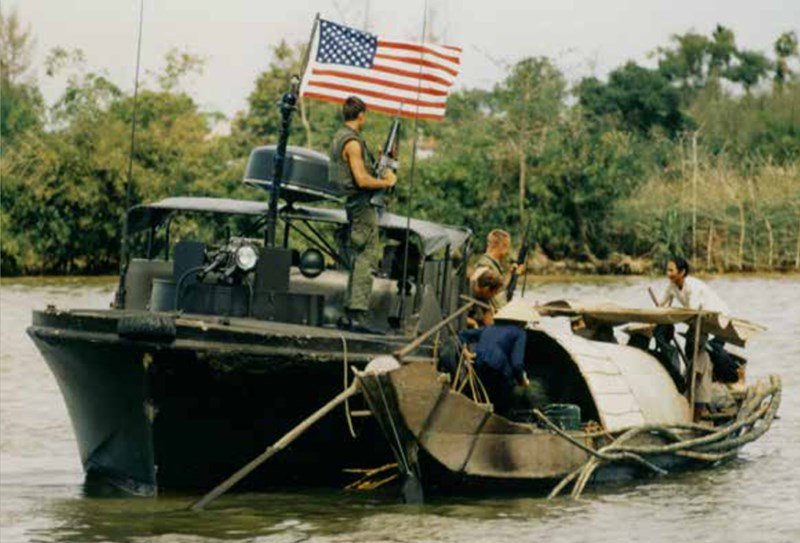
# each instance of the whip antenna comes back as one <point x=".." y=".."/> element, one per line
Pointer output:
<point x="123" y="257"/>
<point x="411" y="174"/>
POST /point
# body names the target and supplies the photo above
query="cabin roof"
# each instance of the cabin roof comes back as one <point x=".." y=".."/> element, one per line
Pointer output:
<point x="731" y="329"/>
<point x="433" y="236"/>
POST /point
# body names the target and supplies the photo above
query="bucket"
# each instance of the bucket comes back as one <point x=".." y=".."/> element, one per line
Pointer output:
<point x="566" y="416"/>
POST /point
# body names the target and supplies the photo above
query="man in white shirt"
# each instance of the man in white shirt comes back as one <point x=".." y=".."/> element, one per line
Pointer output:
<point x="692" y="293"/>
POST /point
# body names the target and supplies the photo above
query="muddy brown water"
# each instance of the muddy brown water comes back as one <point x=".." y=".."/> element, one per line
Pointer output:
<point x="755" y="498"/>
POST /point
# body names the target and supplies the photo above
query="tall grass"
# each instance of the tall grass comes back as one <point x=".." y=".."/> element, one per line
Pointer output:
<point x="744" y="221"/>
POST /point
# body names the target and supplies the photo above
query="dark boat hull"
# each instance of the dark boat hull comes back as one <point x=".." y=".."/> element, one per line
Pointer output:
<point x="185" y="412"/>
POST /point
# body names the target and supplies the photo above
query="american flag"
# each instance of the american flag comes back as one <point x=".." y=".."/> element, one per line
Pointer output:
<point x="394" y="77"/>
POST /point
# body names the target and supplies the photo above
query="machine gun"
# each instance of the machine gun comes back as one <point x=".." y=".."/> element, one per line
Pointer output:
<point x="389" y="159"/>
<point x="521" y="259"/>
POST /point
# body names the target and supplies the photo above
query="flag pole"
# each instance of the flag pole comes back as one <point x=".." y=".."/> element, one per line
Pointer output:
<point x="401" y="311"/>
<point x="307" y="55"/>
<point x="301" y="103"/>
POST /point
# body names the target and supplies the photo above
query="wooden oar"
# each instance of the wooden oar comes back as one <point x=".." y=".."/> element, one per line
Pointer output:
<point x="279" y="445"/>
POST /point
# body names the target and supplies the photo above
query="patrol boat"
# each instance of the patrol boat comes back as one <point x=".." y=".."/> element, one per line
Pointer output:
<point x="218" y="341"/>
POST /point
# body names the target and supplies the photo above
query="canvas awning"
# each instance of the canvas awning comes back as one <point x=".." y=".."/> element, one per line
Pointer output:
<point x="730" y="329"/>
<point x="433" y="236"/>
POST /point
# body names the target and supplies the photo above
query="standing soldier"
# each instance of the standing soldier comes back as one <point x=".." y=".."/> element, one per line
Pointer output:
<point x="498" y="243"/>
<point x="350" y="168"/>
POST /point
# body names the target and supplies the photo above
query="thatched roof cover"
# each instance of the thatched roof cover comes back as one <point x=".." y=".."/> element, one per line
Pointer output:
<point x="733" y="330"/>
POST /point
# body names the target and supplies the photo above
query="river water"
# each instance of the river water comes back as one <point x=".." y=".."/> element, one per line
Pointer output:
<point x="755" y="498"/>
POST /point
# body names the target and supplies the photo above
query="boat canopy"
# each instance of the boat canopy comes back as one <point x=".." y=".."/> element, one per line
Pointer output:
<point x="433" y="236"/>
<point x="730" y="329"/>
<point x="628" y="386"/>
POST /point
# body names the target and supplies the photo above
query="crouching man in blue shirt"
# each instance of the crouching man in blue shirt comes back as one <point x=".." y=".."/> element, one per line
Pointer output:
<point x="499" y="353"/>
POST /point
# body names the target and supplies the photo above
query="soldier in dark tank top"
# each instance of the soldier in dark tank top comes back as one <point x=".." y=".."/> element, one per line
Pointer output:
<point x="351" y="167"/>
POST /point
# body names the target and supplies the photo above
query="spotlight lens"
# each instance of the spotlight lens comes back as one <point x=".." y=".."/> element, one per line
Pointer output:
<point x="246" y="257"/>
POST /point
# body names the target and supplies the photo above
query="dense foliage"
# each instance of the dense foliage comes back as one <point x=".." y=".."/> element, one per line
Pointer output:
<point x="699" y="154"/>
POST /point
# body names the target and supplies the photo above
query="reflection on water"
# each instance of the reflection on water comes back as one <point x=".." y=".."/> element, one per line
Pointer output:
<point x="754" y="498"/>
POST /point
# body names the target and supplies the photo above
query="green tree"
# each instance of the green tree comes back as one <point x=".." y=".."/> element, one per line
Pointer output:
<point x="64" y="190"/>
<point x="785" y="48"/>
<point x="722" y="49"/>
<point x="686" y="61"/>
<point x="21" y="103"/>
<point x="751" y="67"/>
<point x="178" y="66"/>
<point x="527" y="104"/>
<point x="261" y="123"/>
<point x="641" y="99"/>
<point x="585" y="172"/>
<point x="17" y="42"/>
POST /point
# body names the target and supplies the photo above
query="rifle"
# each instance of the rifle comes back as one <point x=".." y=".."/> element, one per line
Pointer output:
<point x="522" y="257"/>
<point x="389" y="158"/>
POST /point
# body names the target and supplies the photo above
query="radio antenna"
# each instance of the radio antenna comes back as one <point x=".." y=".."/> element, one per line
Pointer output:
<point x="415" y="135"/>
<point x="123" y="257"/>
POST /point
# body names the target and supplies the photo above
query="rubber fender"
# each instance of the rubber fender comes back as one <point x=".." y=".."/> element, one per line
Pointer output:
<point x="149" y="327"/>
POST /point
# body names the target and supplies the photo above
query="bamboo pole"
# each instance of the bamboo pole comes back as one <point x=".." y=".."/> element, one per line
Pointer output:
<point x="771" y="241"/>
<point x="276" y="447"/>
<point x="477" y="302"/>
<point x="742" y="234"/>
<point x="523" y="159"/>
<point x="797" y="250"/>
<point x="695" y="350"/>
<point x="709" y="247"/>
<point x="694" y="197"/>
<point x="411" y="347"/>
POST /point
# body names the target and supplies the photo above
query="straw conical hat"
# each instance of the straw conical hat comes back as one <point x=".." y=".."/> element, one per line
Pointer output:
<point x="517" y="310"/>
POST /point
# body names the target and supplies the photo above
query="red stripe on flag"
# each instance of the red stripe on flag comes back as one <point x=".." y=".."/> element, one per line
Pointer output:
<point x="376" y="94"/>
<point x="419" y="62"/>
<point x="414" y="75"/>
<point x="452" y="47"/>
<point x="418" y="49"/>
<point x="378" y="81"/>
<point x="407" y="114"/>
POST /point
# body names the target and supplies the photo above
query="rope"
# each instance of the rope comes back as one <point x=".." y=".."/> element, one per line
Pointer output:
<point x="347" y="413"/>
<point x="477" y="389"/>
<point x="755" y="416"/>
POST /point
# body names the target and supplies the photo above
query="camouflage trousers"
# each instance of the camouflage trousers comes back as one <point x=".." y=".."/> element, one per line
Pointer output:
<point x="364" y="246"/>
